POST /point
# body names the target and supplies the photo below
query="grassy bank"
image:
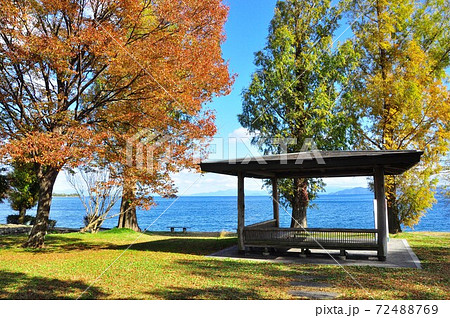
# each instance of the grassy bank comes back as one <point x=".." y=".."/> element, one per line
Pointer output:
<point x="171" y="266"/>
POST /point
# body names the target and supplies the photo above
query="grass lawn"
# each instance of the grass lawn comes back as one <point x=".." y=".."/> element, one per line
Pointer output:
<point x="173" y="266"/>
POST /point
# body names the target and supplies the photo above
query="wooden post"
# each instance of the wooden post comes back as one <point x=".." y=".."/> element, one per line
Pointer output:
<point x="276" y="202"/>
<point x="241" y="212"/>
<point x="381" y="213"/>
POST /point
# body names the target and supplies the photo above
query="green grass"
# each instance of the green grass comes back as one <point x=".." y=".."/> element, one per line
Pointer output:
<point x="173" y="266"/>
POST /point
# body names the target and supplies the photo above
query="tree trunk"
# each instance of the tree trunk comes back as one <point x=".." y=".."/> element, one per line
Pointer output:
<point x="22" y="213"/>
<point x="128" y="217"/>
<point x="47" y="177"/>
<point x="300" y="204"/>
<point x="394" y="222"/>
<point x="93" y="225"/>
<point x="393" y="219"/>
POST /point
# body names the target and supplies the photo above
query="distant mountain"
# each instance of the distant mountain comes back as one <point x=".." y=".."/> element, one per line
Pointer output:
<point x="230" y="193"/>
<point x="233" y="193"/>
<point x="352" y="191"/>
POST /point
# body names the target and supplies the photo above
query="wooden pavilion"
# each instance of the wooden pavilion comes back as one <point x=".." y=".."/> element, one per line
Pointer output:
<point x="315" y="164"/>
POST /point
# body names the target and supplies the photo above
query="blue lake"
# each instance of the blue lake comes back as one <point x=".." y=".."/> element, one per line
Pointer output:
<point x="219" y="213"/>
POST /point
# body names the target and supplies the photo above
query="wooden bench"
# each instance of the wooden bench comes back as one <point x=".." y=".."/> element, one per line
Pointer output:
<point x="340" y="239"/>
<point x="172" y="228"/>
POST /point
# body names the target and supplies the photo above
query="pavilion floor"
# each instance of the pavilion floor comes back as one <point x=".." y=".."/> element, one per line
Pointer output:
<point x="399" y="255"/>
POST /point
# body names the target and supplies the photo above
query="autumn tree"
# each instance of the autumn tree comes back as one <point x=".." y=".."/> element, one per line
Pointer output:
<point x="292" y="94"/>
<point x="65" y="64"/>
<point x="23" y="188"/>
<point x="400" y="95"/>
<point x="150" y="141"/>
<point x="144" y="159"/>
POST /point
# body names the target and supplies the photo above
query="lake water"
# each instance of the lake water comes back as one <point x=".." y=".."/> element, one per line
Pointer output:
<point x="220" y="213"/>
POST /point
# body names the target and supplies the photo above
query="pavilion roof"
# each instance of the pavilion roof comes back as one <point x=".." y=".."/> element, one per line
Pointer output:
<point x="316" y="164"/>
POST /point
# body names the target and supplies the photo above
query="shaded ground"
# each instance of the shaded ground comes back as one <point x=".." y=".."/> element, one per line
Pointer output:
<point x="14" y="285"/>
<point x="174" y="267"/>
<point x="399" y="255"/>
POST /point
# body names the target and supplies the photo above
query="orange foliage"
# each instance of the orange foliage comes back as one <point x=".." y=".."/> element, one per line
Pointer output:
<point x="78" y="78"/>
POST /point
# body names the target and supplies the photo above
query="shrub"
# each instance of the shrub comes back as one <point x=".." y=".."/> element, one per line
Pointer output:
<point x="28" y="220"/>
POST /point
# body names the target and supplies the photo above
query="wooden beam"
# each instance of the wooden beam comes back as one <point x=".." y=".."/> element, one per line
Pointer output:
<point x="241" y="212"/>
<point x="276" y="202"/>
<point x="261" y="174"/>
<point x="381" y="212"/>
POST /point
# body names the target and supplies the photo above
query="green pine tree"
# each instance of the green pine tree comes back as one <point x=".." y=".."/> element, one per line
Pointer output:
<point x="24" y="188"/>
<point x="293" y="92"/>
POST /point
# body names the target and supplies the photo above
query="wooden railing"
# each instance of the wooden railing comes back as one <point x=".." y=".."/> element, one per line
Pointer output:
<point x="310" y="237"/>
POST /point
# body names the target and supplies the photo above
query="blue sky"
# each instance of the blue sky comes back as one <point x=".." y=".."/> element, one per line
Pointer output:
<point x="246" y="30"/>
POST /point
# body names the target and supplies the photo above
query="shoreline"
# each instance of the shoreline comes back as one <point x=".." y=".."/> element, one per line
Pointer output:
<point x="13" y="229"/>
<point x="24" y="229"/>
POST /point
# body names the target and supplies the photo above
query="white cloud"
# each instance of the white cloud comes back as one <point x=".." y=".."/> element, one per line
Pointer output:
<point x="61" y="185"/>
<point x="347" y="182"/>
<point x="239" y="144"/>
<point x="190" y="183"/>
<point x="241" y="133"/>
<point x="341" y="183"/>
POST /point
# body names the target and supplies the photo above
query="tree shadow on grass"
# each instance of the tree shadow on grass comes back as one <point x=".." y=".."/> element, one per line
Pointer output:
<point x="272" y="272"/>
<point x="53" y="243"/>
<point x="222" y="293"/>
<point x="12" y="241"/>
<point x="228" y="279"/>
<point x="428" y="255"/>
<point x="395" y="283"/>
<point x="182" y="245"/>
<point x="22" y="286"/>
<point x="192" y="246"/>
<point x="192" y="234"/>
